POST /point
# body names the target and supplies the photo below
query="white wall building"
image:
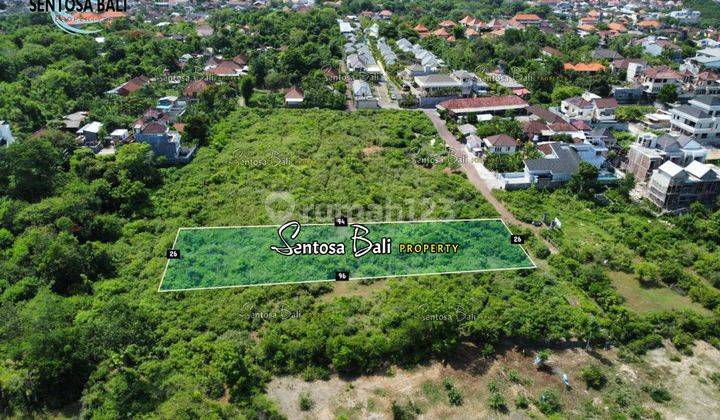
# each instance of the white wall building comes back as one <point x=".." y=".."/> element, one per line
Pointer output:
<point x="699" y="120"/>
<point x="6" y="137"/>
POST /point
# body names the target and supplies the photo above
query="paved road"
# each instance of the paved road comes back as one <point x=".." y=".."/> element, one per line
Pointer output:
<point x="468" y="167"/>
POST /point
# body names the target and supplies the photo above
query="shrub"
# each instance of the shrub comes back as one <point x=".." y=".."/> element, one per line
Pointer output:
<point x="683" y="342"/>
<point x="454" y="397"/>
<point x="497" y="402"/>
<point x="658" y="394"/>
<point x="306" y="402"/>
<point x="549" y="402"/>
<point x="493" y="386"/>
<point x="406" y="411"/>
<point x="715" y="378"/>
<point x="593" y="376"/>
<point x="514" y="376"/>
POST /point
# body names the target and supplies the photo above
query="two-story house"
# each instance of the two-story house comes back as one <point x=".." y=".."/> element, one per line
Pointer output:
<point x="699" y="119"/>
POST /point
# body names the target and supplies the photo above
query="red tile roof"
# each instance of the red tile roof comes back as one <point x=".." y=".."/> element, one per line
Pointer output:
<point x="526" y="16"/>
<point x="295" y="93"/>
<point x="483" y="102"/>
<point x="584" y="67"/>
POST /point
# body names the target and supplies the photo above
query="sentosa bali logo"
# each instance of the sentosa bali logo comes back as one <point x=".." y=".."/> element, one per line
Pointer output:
<point x="72" y="15"/>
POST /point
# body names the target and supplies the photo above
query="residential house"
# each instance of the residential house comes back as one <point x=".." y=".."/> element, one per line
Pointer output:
<point x="196" y="87"/>
<point x="493" y="105"/>
<point x="648" y="25"/>
<point x="674" y="188"/>
<point x="119" y="136"/>
<point x="606" y="54"/>
<point x="89" y="135"/>
<point x="601" y="137"/>
<point x="422" y="30"/>
<point x="627" y="94"/>
<point x="655" y="46"/>
<point x="540" y="112"/>
<point x="685" y="16"/>
<point x="434" y="88"/>
<point x="225" y="68"/>
<point x="654" y="78"/>
<point x="584" y="67"/>
<point x="509" y="83"/>
<point x="474" y="144"/>
<point x="73" y="122"/>
<point x="577" y="108"/>
<point x="526" y="19"/>
<point x="699" y="119"/>
<point x="387" y="53"/>
<point x="6" y="137"/>
<point x="500" y="144"/>
<point x="561" y="161"/>
<point x="551" y="52"/>
<point x="294" y="97"/>
<point x="362" y="95"/>
<point x="153" y="129"/>
<point x="707" y="58"/>
<point x="173" y="106"/>
<point x="131" y="86"/>
<point x="604" y="110"/>
<point x="649" y="151"/>
<point x="704" y="83"/>
<point x="466" y="129"/>
<point x="622" y="64"/>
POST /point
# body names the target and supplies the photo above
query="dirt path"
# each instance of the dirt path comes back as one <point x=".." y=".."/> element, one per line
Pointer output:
<point x="475" y="179"/>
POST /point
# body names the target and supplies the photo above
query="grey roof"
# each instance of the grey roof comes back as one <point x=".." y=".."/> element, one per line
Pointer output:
<point x="683" y="140"/>
<point x="361" y="89"/>
<point x="666" y="141"/>
<point x="711" y="100"/>
<point x="602" y="132"/>
<point x="693" y="111"/>
<point x="606" y="53"/>
<point x="566" y="162"/>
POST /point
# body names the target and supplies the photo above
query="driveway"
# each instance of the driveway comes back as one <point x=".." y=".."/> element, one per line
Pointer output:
<point x="476" y="179"/>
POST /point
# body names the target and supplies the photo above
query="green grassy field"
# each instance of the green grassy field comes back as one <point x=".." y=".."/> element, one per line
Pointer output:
<point x="226" y="257"/>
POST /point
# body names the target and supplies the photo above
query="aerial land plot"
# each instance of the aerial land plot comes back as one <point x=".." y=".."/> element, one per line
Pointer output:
<point x="242" y="256"/>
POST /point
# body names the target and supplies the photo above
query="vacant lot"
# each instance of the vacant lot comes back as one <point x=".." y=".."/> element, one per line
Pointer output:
<point x="513" y="375"/>
<point x="243" y="256"/>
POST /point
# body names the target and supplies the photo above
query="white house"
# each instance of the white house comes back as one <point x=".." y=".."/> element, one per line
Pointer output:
<point x="362" y="95"/>
<point x="708" y="57"/>
<point x="6" y="137"/>
<point x="685" y="16"/>
<point x="501" y="144"/>
<point x="699" y="119"/>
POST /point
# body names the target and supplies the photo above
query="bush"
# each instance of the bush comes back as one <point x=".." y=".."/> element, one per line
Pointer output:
<point x="497" y="402"/>
<point x="514" y="376"/>
<point x="454" y="397"/>
<point x="549" y="402"/>
<point x="306" y="402"/>
<point x="593" y="376"/>
<point x="658" y="394"/>
<point x="404" y="411"/>
<point x="683" y="342"/>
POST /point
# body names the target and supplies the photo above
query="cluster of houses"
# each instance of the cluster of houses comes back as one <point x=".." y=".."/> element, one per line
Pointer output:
<point x="158" y="126"/>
